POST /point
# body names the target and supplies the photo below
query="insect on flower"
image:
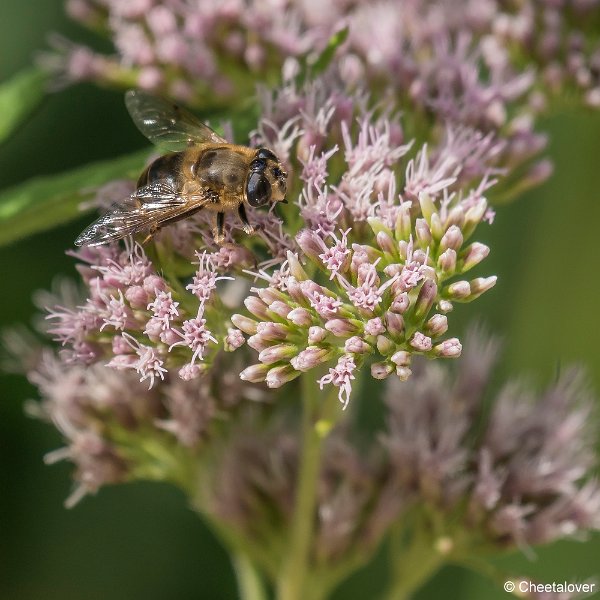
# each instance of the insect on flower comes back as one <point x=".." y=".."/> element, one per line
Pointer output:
<point x="200" y="171"/>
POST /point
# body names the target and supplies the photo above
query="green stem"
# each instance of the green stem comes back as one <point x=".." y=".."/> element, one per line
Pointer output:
<point x="249" y="581"/>
<point x="315" y="410"/>
<point x="413" y="566"/>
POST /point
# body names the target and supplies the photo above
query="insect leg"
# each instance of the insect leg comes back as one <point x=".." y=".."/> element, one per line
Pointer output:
<point x="218" y="234"/>
<point x="244" y="219"/>
<point x="154" y="228"/>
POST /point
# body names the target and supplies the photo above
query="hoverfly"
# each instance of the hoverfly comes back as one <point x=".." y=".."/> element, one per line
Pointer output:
<point x="200" y="171"/>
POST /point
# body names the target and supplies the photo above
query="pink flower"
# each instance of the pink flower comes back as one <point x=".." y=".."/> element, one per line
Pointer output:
<point x="325" y="305"/>
<point x="368" y="293"/>
<point x="335" y="257"/>
<point x="341" y="376"/>
<point x="205" y="279"/>
<point x="149" y="365"/>
<point x="195" y="336"/>
<point x="164" y="308"/>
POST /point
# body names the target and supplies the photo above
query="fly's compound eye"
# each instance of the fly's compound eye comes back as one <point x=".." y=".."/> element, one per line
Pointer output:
<point x="258" y="190"/>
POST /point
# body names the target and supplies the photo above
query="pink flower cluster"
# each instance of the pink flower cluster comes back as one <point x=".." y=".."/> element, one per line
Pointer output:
<point x="387" y="249"/>
<point x="191" y="50"/>
<point x="372" y="303"/>
<point x="135" y="318"/>
<point x="432" y="52"/>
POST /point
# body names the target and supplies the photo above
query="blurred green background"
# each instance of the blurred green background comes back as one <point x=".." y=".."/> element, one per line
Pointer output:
<point x="141" y="541"/>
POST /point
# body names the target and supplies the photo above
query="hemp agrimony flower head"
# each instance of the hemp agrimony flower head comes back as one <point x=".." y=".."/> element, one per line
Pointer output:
<point x="386" y="251"/>
<point x="459" y="482"/>
<point x="468" y="62"/>
<point x="383" y="267"/>
<point x="177" y="357"/>
<point x="117" y="430"/>
<point x="451" y="481"/>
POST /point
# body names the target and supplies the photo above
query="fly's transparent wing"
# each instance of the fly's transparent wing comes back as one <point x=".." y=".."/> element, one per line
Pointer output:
<point x="145" y="210"/>
<point x="167" y="125"/>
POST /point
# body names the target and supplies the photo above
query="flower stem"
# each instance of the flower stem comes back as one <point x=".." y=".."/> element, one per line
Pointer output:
<point x="412" y="567"/>
<point x="249" y="581"/>
<point x="315" y="409"/>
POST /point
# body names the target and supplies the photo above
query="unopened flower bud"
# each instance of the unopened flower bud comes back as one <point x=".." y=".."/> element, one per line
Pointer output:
<point x="400" y="304"/>
<point x="246" y="324"/>
<point x="153" y="329"/>
<point x="272" y="331"/>
<point x="481" y="285"/>
<point x="137" y="297"/>
<point x="425" y="299"/>
<point x="362" y="255"/>
<point x="459" y="290"/>
<point x="437" y="325"/>
<point x="452" y="238"/>
<point x="427" y="206"/>
<point x="404" y="222"/>
<point x="294" y="289"/>
<point x="394" y="324"/>
<point x="423" y="233"/>
<point x="278" y="376"/>
<point x="456" y="217"/>
<point x="308" y="242"/>
<point x="420" y="256"/>
<point x="256" y="306"/>
<point x="447" y="261"/>
<point x="377" y="225"/>
<point x="295" y="267"/>
<point x="258" y="343"/>
<point x="386" y="243"/>
<point x="403" y="373"/>
<point x="280" y="308"/>
<point x="154" y="284"/>
<point x="169" y="337"/>
<point x="473" y="217"/>
<point x="385" y="346"/>
<point x="401" y="358"/>
<point x="374" y="326"/>
<point x="316" y="334"/>
<point x="233" y="340"/>
<point x="311" y="357"/>
<point x="342" y="327"/>
<point x="445" y="306"/>
<point x="357" y="345"/>
<point x="278" y="352"/>
<point x="381" y="370"/>
<point x="300" y="317"/>
<point x="189" y="371"/>
<point x="255" y="373"/>
<point x="449" y="348"/>
<point x="420" y="342"/>
<point x="269" y="295"/>
<point x="473" y="255"/>
<point x="437" y="229"/>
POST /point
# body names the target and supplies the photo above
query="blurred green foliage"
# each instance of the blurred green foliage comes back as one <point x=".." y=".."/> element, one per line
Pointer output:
<point x="141" y="541"/>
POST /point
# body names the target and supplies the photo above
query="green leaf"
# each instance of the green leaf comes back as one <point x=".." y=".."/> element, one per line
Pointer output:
<point x="18" y="97"/>
<point x="45" y="202"/>
<point x="312" y="68"/>
<point x="325" y="58"/>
